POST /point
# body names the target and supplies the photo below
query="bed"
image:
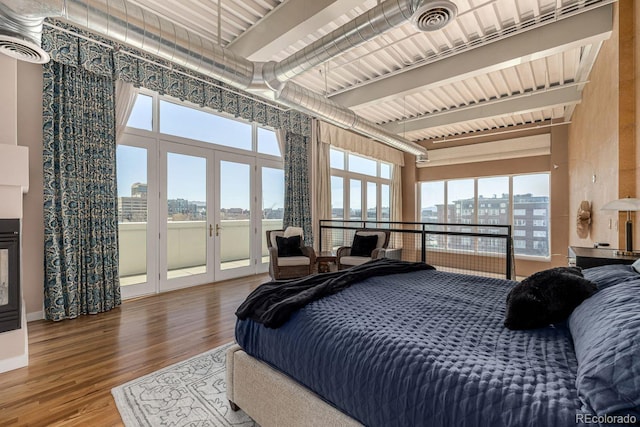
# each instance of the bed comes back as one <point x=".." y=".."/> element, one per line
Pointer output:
<point x="429" y="348"/>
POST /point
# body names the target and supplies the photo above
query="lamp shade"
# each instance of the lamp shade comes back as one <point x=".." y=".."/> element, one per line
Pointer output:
<point x="627" y="204"/>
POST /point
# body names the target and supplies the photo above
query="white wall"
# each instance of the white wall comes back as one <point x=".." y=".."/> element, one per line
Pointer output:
<point x="14" y="352"/>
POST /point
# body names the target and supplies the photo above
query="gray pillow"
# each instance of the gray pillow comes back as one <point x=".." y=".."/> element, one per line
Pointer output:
<point x="606" y="336"/>
<point x="636" y="265"/>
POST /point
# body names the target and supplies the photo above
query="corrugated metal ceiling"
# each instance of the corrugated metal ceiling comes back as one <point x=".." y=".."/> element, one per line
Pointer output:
<point x="532" y="86"/>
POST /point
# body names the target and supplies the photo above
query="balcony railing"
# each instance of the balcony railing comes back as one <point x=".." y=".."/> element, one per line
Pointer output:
<point x="186" y="243"/>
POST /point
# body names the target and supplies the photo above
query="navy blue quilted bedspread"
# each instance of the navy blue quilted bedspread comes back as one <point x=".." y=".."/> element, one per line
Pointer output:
<point x="426" y="348"/>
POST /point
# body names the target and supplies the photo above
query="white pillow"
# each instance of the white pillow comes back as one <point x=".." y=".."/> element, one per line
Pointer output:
<point x="294" y="231"/>
<point x="636" y="265"/>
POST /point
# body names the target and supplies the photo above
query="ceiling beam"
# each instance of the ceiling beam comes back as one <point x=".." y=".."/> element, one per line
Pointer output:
<point x="518" y="104"/>
<point x="579" y="30"/>
<point x="288" y="23"/>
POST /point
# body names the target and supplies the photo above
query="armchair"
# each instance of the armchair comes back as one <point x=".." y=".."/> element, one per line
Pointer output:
<point x="294" y="259"/>
<point x="364" y="248"/>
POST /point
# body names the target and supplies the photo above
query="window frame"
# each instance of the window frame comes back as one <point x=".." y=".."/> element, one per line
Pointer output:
<point x="511" y="212"/>
<point x="347" y="175"/>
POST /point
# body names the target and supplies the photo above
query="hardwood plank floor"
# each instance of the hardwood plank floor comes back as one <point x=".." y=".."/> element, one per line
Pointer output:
<point x="73" y="364"/>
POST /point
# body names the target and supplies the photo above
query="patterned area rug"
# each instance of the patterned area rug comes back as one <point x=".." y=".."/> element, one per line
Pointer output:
<point x="189" y="393"/>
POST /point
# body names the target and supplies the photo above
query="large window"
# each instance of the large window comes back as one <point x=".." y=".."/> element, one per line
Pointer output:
<point x="490" y="201"/>
<point x="366" y="195"/>
<point x="215" y="184"/>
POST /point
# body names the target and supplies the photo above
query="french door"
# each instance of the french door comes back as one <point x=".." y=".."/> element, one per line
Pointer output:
<point x="191" y="215"/>
<point x="186" y="210"/>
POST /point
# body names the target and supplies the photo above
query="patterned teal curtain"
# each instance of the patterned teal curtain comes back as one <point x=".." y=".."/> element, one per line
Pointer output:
<point x="297" y="193"/>
<point x="80" y="197"/>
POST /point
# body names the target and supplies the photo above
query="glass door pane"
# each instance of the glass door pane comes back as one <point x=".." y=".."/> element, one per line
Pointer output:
<point x="135" y="227"/>
<point x="234" y="230"/>
<point x="355" y="199"/>
<point x="186" y="231"/>
<point x="272" y="205"/>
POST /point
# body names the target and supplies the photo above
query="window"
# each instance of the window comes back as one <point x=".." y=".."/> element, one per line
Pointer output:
<point x="526" y="206"/>
<point x="368" y="193"/>
<point x="180" y="120"/>
<point x="519" y="244"/>
<point x="355" y="199"/>
<point x="268" y="142"/>
<point x="531" y="193"/>
<point x="141" y="116"/>
<point x="337" y="197"/>
<point x="432" y="202"/>
<point x="362" y="165"/>
<point x="132" y="213"/>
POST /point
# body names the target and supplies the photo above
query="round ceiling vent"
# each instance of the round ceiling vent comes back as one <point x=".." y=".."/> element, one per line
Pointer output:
<point x="434" y="15"/>
<point x="22" y="50"/>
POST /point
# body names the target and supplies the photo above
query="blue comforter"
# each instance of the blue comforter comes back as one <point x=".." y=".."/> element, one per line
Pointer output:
<point x="426" y="348"/>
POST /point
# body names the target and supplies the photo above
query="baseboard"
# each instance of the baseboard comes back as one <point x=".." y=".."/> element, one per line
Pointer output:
<point x="36" y="315"/>
<point x="14" y="363"/>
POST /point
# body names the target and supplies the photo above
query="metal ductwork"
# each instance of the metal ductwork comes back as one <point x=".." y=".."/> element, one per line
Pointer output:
<point x="21" y="28"/>
<point x="131" y="25"/>
<point x="296" y="96"/>
<point x="424" y="14"/>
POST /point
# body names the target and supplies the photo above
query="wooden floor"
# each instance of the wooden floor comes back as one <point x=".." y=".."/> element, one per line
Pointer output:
<point x="73" y="364"/>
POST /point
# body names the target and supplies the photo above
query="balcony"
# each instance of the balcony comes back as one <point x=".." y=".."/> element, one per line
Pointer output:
<point x="186" y="247"/>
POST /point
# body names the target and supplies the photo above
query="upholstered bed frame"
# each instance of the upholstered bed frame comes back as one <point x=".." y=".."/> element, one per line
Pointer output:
<point x="273" y="399"/>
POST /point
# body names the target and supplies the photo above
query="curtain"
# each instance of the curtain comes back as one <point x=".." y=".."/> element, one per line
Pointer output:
<point x="323" y="185"/>
<point x="396" y="204"/>
<point x="80" y="196"/>
<point x="297" y="195"/>
<point x="126" y="95"/>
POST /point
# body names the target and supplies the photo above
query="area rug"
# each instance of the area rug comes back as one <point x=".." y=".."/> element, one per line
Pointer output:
<point x="189" y="393"/>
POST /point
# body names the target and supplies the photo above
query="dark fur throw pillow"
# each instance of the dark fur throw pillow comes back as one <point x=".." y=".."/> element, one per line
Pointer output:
<point x="546" y="297"/>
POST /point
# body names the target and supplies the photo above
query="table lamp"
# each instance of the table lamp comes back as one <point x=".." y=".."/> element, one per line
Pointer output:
<point x="628" y="204"/>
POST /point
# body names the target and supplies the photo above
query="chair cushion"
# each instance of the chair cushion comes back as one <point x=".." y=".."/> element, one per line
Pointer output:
<point x="363" y="245"/>
<point x="292" y="261"/>
<point x="381" y="236"/>
<point x="354" y="260"/>
<point x="289" y="246"/>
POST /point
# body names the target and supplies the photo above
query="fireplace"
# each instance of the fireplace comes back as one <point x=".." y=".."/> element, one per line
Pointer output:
<point x="9" y="274"/>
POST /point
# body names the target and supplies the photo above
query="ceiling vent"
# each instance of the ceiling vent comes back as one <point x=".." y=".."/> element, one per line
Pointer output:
<point x="20" y="35"/>
<point x="22" y="49"/>
<point x="434" y="15"/>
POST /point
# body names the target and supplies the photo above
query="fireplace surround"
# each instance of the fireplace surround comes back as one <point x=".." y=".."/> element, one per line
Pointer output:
<point x="9" y="275"/>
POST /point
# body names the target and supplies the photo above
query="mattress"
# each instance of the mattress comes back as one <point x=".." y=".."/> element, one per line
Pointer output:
<point x="426" y="348"/>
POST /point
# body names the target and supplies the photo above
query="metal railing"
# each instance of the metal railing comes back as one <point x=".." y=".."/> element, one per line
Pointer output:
<point x="481" y="249"/>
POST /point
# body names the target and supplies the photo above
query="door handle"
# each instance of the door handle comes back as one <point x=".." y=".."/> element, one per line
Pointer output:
<point x="210" y="230"/>
<point x="218" y="229"/>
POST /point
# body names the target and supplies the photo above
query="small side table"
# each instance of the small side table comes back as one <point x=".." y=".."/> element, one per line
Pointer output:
<point x="324" y="259"/>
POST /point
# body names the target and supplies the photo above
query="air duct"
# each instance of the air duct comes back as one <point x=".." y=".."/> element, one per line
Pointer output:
<point x="21" y="28"/>
<point x="424" y="14"/>
<point x="132" y="25"/>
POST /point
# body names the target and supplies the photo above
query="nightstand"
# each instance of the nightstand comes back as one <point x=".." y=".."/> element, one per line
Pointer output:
<point x="594" y="257"/>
